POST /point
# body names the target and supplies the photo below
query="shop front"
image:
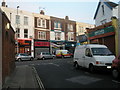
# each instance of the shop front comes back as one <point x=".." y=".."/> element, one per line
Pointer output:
<point x="105" y="36"/>
<point x="24" y="46"/>
<point x="41" y="46"/>
<point x="70" y="46"/>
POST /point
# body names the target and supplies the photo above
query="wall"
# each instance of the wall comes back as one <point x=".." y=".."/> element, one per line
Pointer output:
<point x="100" y="17"/>
<point x="0" y="50"/>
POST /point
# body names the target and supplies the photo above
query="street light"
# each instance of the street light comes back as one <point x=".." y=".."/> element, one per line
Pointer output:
<point x="17" y="32"/>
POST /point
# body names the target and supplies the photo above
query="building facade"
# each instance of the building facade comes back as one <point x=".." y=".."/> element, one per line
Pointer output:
<point x="81" y="32"/>
<point x="23" y="24"/>
<point x="42" y="33"/>
<point x="104" y="12"/>
<point x="7" y="48"/>
<point x="57" y="34"/>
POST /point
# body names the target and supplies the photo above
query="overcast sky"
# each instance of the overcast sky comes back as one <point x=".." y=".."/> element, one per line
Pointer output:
<point x="77" y="10"/>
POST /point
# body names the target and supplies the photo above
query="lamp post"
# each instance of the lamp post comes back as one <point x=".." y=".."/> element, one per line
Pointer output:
<point x="17" y="32"/>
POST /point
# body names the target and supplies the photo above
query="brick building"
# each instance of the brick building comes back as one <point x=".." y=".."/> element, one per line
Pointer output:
<point x="7" y="48"/>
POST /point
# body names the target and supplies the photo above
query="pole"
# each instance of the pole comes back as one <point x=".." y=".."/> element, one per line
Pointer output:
<point x="17" y="33"/>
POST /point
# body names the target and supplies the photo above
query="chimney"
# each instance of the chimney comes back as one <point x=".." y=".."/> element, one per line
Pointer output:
<point x="42" y="12"/>
<point x="4" y="3"/>
<point x="66" y="17"/>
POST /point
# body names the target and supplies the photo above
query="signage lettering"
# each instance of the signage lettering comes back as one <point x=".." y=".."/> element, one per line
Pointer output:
<point x="42" y="44"/>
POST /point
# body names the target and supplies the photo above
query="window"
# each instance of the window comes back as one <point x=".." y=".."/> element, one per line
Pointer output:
<point x="88" y="53"/>
<point x="17" y="32"/>
<point x="71" y="36"/>
<point x="103" y="10"/>
<point x="101" y="51"/>
<point x="25" y="33"/>
<point x="70" y="27"/>
<point x="57" y="36"/>
<point x="25" y="20"/>
<point x="57" y="25"/>
<point x="17" y="19"/>
<point x="42" y="35"/>
<point x="41" y="22"/>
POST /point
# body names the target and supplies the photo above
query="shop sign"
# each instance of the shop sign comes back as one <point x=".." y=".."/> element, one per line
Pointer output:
<point x="39" y="44"/>
<point x="102" y="31"/>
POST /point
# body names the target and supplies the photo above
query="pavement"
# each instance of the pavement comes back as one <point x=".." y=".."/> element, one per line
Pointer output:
<point x="23" y="77"/>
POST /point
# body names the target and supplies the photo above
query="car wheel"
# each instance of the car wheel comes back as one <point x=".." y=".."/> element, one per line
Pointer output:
<point x="115" y="73"/>
<point x="91" y="68"/>
<point x="31" y="59"/>
<point x="19" y="59"/>
<point x="53" y="57"/>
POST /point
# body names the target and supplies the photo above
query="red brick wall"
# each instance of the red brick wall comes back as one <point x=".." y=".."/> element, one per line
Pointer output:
<point x="8" y="51"/>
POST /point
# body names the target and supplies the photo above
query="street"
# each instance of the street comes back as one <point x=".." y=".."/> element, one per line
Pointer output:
<point x="60" y="73"/>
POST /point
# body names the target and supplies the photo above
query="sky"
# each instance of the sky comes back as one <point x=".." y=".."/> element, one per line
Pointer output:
<point x="77" y="10"/>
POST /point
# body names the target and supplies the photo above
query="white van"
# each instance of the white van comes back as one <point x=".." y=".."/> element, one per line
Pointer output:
<point x="93" y="56"/>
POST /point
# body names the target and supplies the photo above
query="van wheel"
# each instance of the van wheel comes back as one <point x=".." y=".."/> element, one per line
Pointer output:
<point x="43" y="58"/>
<point x="115" y="73"/>
<point x="31" y="59"/>
<point x="76" y="65"/>
<point x="91" y="68"/>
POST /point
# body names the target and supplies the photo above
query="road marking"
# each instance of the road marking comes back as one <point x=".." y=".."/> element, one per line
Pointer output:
<point x="38" y="79"/>
<point x="116" y="81"/>
<point x="54" y="64"/>
<point x="84" y="80"/>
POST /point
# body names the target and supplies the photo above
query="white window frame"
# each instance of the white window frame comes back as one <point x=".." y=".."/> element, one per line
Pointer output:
<point x="58" y="24"/>
<point x="40" y="36"/>
<point x="25" y="34"/>
<point x="41" y="22"/>
<point x="70" y="36"/>
<point x="17" y="20"/>
<point x="25" y="20"/>
<point x="57" y="36"/>
<point x="70" y="27"/>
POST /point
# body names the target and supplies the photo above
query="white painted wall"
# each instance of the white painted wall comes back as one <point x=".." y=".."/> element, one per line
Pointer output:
<point x="100" y="17"/>
<point x="12" y="18"/>
<point x="0" y="50"/>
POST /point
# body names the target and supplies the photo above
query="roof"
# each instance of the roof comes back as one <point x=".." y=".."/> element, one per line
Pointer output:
<point x="110" y="4"/>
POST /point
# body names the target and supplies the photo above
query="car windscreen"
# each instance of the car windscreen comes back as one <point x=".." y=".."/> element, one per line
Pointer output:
<point x="101" y="51"/>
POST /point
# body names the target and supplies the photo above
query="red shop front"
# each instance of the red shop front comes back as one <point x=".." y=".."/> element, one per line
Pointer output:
<point x="24" y="46"/>
<point x="41" y="46"/>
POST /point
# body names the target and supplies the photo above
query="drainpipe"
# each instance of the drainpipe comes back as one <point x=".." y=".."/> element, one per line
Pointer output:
<point x="115" y="24"/>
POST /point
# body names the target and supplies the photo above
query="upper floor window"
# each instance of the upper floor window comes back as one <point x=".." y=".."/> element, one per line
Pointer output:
<point x="25" y="20"/>
<point x="42" y="35"/>
<point x="17" y="19"/>
<point x="70" y="27"/>
<point x="25" y="33"/>
<point x="57" y="25"/>
<point x="17" y="32"/>
<point x="70" y="36"/>
<point x="57" y="36"/>
<point x="41" y="22"/>
<point x="103" y="11"/>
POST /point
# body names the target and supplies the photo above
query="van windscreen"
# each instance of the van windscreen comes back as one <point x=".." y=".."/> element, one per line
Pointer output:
<point x="101" y="51"/>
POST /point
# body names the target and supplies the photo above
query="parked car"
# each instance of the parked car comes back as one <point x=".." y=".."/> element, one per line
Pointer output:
<point x="116" y="68"/>
<point x="23" y="56"/>
<point x="63" y="53"/>
<point x="45" y="55"/>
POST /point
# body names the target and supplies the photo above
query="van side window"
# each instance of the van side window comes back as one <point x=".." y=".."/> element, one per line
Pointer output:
<point x="88" y="53"/>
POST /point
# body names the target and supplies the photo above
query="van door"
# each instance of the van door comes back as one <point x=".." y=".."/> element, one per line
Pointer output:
<point x="81" y="56"/>
<point x="88" y="57"/>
